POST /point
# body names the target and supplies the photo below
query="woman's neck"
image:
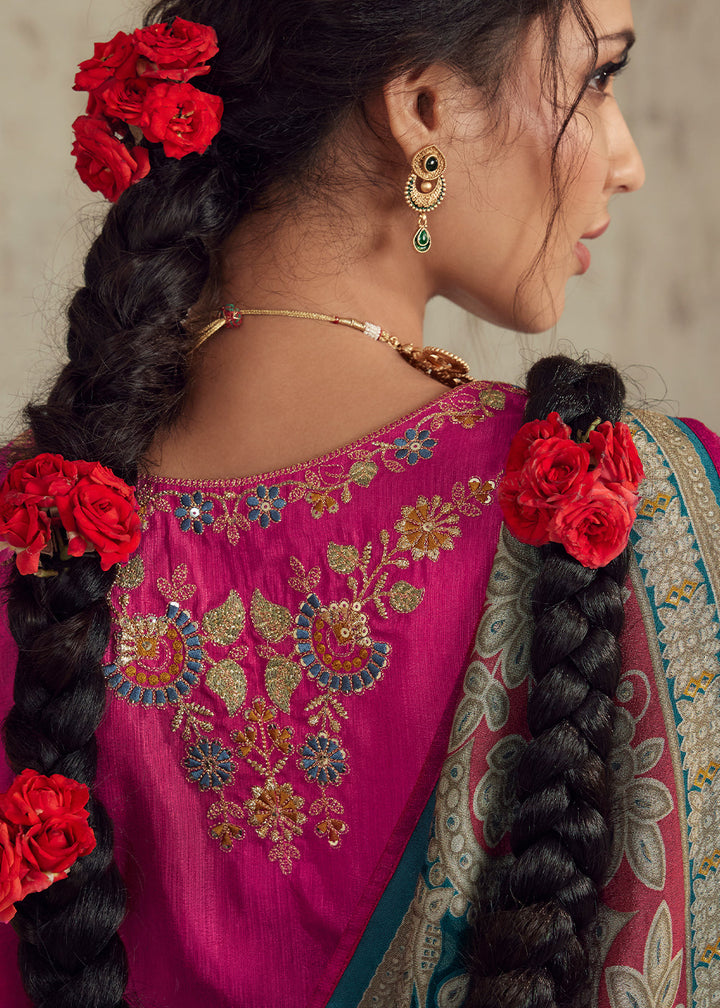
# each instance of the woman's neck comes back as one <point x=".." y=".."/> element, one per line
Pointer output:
<point x="278" y="390"/>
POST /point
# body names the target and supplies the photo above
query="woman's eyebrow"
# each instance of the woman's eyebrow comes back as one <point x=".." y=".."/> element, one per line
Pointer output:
<point x="627" y="36"/>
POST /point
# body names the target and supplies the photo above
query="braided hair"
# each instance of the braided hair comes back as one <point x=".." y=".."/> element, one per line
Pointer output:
<point x="129" y="348"/>
<point x="530" y="951"/>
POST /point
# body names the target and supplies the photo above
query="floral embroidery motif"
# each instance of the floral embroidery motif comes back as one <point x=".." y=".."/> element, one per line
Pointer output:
<point x="322" y="759"/>
<point x="329" y="482"/>
<point x="158" y="658"/>
<point x="194" y="512"/>
<point x="265" y="505"/>
<point x="427" y="528"/>
<point x="415" y="445"/>
<point x="209" y="764"/>
<point x="329" y="641"/>
<point x="329" y="645"/>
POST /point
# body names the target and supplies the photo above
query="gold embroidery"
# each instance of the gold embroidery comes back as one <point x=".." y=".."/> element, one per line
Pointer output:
<point x="710" y="864"/>
<point x="270" y="620"/>
<point x="427" y="528"/>
<point x="225" y="624"/>
<point x="228" y="680"/>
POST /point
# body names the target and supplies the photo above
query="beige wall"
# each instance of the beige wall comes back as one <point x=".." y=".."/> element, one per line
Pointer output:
<point x="650" y="301"/>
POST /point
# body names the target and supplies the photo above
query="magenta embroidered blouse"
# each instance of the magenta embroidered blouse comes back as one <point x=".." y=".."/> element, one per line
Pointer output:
<point x="286" y="655"/>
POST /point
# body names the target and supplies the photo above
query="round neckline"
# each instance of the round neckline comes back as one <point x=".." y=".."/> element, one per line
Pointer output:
<point x="169" y="481"/>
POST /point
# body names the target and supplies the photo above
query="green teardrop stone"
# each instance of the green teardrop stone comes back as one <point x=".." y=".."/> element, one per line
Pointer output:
<point x="421" y="241"/>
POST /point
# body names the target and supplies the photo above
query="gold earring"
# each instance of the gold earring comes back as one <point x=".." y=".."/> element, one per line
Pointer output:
<point x="425" y="190"/>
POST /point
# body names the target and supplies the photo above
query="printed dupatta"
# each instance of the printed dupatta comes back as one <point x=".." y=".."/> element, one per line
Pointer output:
<point x="657" y="937"/>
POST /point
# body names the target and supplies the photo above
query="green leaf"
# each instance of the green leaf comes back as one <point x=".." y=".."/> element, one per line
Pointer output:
<point x="225" y="624"/>
<point x="272" y="621"/>
<point x="343" y="559"/>
<point x="363" y="473"/>
<point x="282" y="676"/>
<point x="228" y="680"/>
<point x="404" y="598"/>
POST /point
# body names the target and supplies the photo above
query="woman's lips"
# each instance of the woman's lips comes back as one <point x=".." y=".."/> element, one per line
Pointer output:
<point x="582" y="252"/>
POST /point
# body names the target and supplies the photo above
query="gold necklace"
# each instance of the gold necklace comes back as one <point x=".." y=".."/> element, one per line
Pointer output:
<point x="442" y="365"/>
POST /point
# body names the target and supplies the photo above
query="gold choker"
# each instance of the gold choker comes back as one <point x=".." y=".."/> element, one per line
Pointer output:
<point x="441" y="365"/>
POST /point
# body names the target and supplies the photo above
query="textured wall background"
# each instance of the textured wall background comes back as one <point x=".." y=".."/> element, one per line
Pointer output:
<point x="650" y="301"/>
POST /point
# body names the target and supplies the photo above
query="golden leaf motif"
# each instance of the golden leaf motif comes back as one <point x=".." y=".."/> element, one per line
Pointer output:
<point x="228" y="680"/>
<point x="132" y="574"/>
<point x="362" y="473"/>
<point x="225" y="624"/>
<point x="176" y="590"/>
<point x="270" y="620"/>
<point x="404" y="598"/>
<point x="343" y="559"/>
<point x="282" y="677"/>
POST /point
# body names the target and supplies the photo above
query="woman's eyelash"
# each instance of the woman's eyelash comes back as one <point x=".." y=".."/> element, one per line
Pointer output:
<point x="600" y="78"/>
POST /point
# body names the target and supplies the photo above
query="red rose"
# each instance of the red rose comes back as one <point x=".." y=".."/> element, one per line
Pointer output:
<point x="101" y="517"/>
<point x="531" y="432"/>
<point x="45" y="476"/>
<point x="181" y="118"/>
<point x="104" y="163"/>
<point x="116" y="58"/>
<point x="32" y="797"/>
<point x="51" y="847"/>
<point x="528" y="521"/>
<point x="25" y="528"/>
<point x="120" y="99"/>
<point x="12" y="872"/>
<point x="595" y="529"/>
<point x="176" y="51"/>
<point x="555" y="467"/>
<point x="617" y="456"/>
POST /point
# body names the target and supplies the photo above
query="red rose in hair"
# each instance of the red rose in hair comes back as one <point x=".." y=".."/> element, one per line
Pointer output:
<point x="32" y="798"/>
<point x="116" y="58"/>
<point x="176" y="51"/>
<point x="101" y="514"/>
<point x="52" y="846"/>
<point x="25" y="528"/>
<point x="616" y="454"/>
<point x="104" y="163"/>
<point x="45" y="476"/>
<point x="555" y="468"/>
<point x="527" y="520"/>
<point x="181" y="118"/>
<point x="531" y="432"/>
<point x="121" y="99"/>
<point x="12" y="872"/>
<point x="595" y="529"/>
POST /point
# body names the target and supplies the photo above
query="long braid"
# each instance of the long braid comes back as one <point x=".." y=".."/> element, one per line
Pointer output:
<point x="127" y="367"/>
<point x="530" y="952"/>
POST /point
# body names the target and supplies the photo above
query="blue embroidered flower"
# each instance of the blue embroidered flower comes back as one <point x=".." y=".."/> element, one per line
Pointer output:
<point x="415" y="445"/>
<point x="195" y="512"/>
<point x="158" y="658"/>
<point x="322" y="759"/>
<point x="209" y="764"/>
<point x="265" y="505"/>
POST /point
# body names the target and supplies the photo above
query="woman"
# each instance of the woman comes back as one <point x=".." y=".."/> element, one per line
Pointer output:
<point x="296" y="697"/>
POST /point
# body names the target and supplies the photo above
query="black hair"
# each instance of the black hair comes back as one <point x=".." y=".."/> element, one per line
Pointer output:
<point x="288" y="73"/>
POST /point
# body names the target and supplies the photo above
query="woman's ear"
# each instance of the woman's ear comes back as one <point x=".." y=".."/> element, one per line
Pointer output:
<point x="420" y="109"/>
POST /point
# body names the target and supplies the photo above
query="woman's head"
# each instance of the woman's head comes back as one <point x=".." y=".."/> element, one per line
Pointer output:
<point x="327" y="103"/>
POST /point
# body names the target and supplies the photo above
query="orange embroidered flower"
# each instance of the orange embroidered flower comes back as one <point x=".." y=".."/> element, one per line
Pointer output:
<point x="332" y="830"/>
<point x="427" y="528"/>
<point x="275" y="808"/>
<point x="281" y="738"/>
